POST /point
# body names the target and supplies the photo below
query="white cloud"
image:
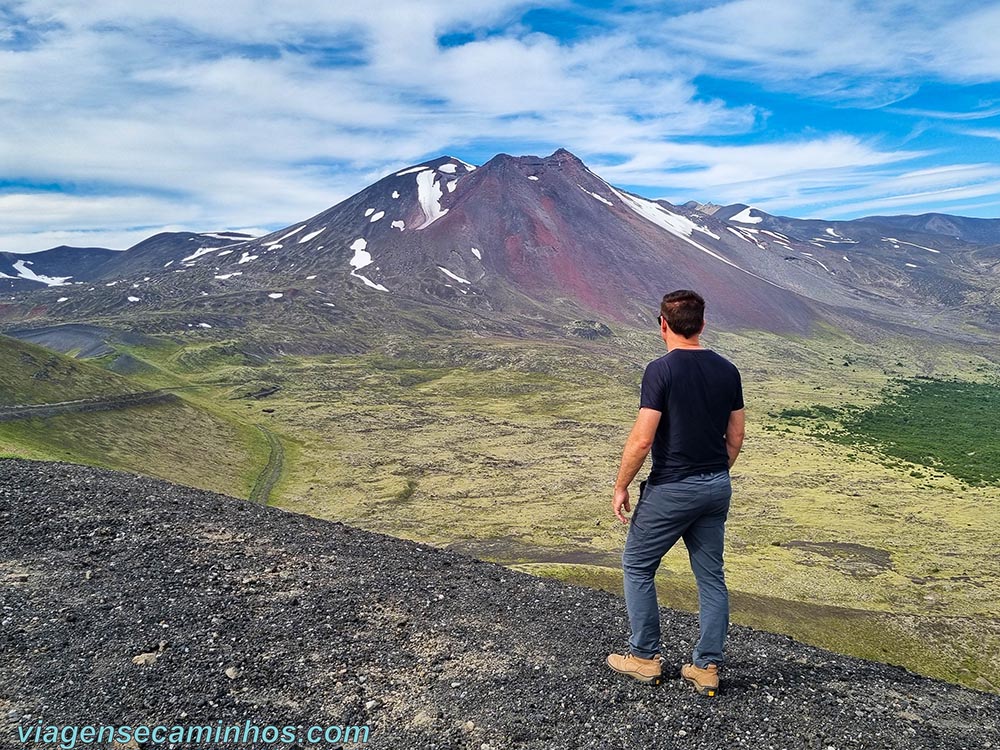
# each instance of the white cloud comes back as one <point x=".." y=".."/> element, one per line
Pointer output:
<point x="812" y="45"/>
<point x="207" y="115"/>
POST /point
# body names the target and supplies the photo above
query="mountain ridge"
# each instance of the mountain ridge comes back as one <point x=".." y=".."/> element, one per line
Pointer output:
<point x="527" y="239"/>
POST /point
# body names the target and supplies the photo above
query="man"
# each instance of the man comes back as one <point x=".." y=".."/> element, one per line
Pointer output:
<point x="691" y="415"/>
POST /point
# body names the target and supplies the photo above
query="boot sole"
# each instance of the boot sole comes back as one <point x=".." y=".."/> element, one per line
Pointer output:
<point x="656" y="680"/>
<point x="706" y="690"/>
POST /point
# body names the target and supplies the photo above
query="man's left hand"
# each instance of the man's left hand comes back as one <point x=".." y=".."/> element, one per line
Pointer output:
<point x="621" y="503"/>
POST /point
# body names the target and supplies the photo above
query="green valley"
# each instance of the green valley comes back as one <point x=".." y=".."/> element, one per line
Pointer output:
<point x="507" y="448"/>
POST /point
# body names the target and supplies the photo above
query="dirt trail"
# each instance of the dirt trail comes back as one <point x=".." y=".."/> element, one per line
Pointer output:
<point x="271" y="473"/>
<point x="111" y="403"/>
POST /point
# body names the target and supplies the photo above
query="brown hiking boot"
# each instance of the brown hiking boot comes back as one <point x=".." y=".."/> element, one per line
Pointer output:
<point x="644" y="670"/>
<point x="705" y="681"/>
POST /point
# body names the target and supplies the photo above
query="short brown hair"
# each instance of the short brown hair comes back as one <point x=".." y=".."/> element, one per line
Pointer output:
<point x="684" y="312"/>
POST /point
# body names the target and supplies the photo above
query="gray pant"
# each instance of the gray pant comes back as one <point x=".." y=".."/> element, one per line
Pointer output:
<point x="694" y="509"/>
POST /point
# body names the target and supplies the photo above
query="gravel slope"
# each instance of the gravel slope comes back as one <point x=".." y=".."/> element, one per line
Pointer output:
<point x="320" y="623"/>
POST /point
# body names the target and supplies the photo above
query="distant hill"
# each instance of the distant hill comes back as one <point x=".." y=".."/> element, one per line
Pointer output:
<point x="52" y="267"/>
<point x="30" y="374"/>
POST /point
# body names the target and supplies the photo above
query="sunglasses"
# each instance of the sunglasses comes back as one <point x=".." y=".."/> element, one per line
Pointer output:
<point x="659" y="320"/>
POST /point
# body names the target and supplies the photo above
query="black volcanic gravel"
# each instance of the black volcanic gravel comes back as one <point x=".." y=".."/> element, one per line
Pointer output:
<point x="327" y="624"/>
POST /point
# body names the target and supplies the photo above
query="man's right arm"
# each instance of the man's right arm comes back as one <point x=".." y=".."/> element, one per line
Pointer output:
<point x="734" y="434"/>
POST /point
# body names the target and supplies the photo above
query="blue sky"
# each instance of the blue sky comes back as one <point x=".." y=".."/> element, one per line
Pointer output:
<point x="121" y="119"/>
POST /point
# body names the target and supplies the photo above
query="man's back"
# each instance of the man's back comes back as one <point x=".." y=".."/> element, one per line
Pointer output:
<point x="696" y="390"/>
<point x="691" y="417"/>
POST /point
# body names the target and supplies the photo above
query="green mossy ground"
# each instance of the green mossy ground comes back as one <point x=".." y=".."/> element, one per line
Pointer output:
<point x="941" y="424"/>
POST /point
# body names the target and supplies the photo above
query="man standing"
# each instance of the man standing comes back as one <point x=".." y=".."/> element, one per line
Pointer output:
<point x="691" y="415"/>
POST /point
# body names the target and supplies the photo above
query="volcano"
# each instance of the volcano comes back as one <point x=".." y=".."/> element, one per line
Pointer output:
<point x="547" y="239"/>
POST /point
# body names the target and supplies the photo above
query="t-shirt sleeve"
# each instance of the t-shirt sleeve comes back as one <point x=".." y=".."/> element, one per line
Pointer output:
<point x="655" y="387"/>
<point x="738" y="399"/>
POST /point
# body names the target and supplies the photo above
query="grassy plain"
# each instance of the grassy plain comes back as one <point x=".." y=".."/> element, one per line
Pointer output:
<point x="507" y="449"/>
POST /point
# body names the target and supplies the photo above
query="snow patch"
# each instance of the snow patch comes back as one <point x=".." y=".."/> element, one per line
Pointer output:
<point x="911" y="265"/>
<point x="681" y="226"/>
<point x="61" y="299"/>
<point x="359" y="244"/>
<point x="912" y="244"/>
<point x="247" y="257"/>
<point x="837" y="237"/>
<point x="776" y="235"/>
<point x="26" y="273"/>
<point x="276" y="295"/>
<point x="310" y="278"/>
<point x="744" y="217"/>
<point x="376" y="217"/>
<point x="369" y="282"/>
<point x="204" y="325"/>
<point x="411" y="170"/>
<point x="676" y="224"/>
<point x="226" y="276"/>
<point x="312" y="235"/>
<point x="361" y="258"/>
<point x="846" y="258"/>
<point x="198" y="253"/>
<point x="133" y="299"/>
<point x="452" y="185"/>
<point x="449" y="168"/>
<point x="479" y="255"/>
<point x="454" y="276"/>
<point x="395" y="194"/>
<point x="814" y="260"/>
<point x="599" y="197"/>
<point x="429" y="197"/>
<point x="225" y="252"/>
<point x="286" y="236"/>
<point x="227" y="236"/>
<point x="369" y="212"/>
<point x="400" y="225"/>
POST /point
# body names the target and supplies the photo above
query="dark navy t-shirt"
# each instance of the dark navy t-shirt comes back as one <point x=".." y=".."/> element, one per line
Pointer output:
<point x="695" y="390"/>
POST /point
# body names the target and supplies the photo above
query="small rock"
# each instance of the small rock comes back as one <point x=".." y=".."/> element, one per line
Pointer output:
<point x="469" y="726"/>
<point x="233" y="672"/>
<point x="369" y="705"/>
<point x="423" y="719"/>
<point x="147" y="659"/>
